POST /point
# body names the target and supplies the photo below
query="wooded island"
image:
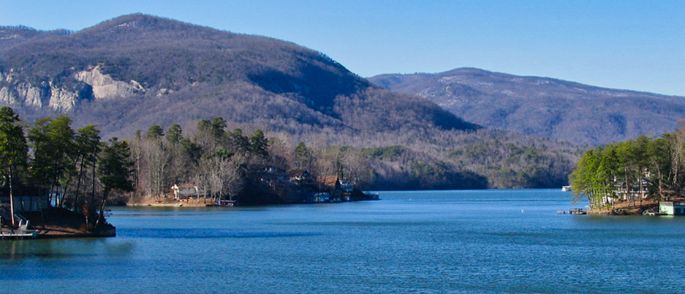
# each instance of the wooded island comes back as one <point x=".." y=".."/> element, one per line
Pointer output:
<point x="633" y="177"/>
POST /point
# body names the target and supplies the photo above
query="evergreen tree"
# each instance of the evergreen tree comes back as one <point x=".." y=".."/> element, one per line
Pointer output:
<point x="114" y="169"/>
<point x="54" y="154"/>
<point x="13" y="150"/>
<point x="155" y="132"/>
<point x="174" y="134"/>
<point x="88" y="146"/>
<point x="304" y="159"/>
<point x="259" y="144"/>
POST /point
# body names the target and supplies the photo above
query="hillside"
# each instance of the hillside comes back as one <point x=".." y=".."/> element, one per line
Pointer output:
<point x="543" y="107"/>
<point x="135" y="70"/>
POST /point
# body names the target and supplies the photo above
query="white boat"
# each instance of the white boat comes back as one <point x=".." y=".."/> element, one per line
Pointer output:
<point x="566" y="188"/>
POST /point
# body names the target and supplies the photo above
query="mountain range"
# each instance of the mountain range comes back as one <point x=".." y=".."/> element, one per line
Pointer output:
<point x="466" y="128"/>
<point x="543" y="107"/>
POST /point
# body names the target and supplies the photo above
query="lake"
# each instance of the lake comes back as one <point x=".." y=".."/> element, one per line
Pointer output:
<point x="418" y="241"/>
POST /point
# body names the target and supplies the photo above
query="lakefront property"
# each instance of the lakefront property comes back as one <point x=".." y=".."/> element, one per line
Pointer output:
<point x="56" y="182"/>
<point x="641" y="176"/>
<point x="59" y="180"/>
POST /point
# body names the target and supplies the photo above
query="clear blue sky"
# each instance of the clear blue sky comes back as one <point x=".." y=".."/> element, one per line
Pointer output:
<point x="622" y="44"/>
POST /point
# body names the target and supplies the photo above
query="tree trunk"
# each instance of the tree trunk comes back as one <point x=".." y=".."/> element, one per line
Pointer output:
<point x="11" y="199"/>
<point x="642" y="189"/>
<point x="78" y="184"/>
<point x="92" y="195"/>
<point x="64" y="192"/>
<point x="101" y="215"/>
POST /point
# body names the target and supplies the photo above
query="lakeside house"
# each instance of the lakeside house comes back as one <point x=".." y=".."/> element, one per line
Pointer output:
<point x="327" y="181"/>
<point x="623" y="192"/>
<point x="636" y="190"/>
<point x="671" y="208"/>
<point x="25" y="203"/>
<point x="336" y="183"/>
<point x="271" y="176"/>
<point x="340" y="189"/>
<point x="185" y="191"/>
<point x="270" y="184"/>
<point x="345" y="186"/>
<point x="300" y="177"/>
<point x="635" y="198"/>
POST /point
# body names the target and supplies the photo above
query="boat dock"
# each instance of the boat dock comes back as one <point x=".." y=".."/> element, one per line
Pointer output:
<point x="574" y="211"/>
<point x="22" y="232"/>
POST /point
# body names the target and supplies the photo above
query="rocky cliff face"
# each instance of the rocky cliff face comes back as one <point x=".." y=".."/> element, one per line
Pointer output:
<point x="105" y="87"/>
<point x="63" y="96"/>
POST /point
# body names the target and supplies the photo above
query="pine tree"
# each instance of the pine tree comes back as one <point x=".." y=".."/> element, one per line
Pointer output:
<point x="13" y="150"/>
<point x="114" y="170"/>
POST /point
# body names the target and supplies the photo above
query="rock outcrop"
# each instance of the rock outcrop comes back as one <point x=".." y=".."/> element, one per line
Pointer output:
<point x="59" y="96"/>
<point x="105" y="87"/>
<point x="62" y="99"/>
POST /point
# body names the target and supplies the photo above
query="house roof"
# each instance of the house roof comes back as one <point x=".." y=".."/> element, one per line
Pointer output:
<point x="328" y="180"/>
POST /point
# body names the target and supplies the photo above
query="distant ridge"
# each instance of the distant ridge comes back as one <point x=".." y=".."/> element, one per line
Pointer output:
<point x="543" y="107"/>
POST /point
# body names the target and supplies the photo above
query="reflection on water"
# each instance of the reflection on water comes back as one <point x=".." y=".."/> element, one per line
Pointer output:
<point x="62" y="248"/>
<point x="176" y="233"/>
<point x="432" y="241"/>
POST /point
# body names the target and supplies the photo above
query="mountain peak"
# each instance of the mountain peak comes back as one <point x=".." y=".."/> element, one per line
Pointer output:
<point x="473" y="70"/>
<point x="140" y="21"/>
<point x="181" y="71"/>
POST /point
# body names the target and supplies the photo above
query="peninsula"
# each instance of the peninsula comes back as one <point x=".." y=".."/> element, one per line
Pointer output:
<point x="641" y="176"/>
<point x="57" y="181"/>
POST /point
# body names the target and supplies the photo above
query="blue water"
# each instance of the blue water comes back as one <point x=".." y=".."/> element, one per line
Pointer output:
<point x="429" y="241"/>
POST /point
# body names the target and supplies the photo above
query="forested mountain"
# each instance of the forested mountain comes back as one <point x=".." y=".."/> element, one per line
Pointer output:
<point x="137" y="71"/>
<point x="543" y="107"/>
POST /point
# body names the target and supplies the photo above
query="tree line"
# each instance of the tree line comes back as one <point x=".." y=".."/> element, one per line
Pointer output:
<point x="73" y="169"/>
<point x="221" y="163"/>
<point x="215" y="160"/>
<point x="634" y="170"/>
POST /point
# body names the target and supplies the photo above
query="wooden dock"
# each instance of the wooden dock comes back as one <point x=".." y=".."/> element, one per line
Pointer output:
<point x="9" y="234"/>
<point x="573" y="211"/>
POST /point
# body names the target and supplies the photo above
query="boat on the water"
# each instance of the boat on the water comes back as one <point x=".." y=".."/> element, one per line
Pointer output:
<point x="566" y="188"/>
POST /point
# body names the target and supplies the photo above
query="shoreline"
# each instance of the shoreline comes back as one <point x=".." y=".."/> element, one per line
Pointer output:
<point x="57" y="223"/>
<point x="56" y="232"/>
<point x="647" y="207"/>
<point x="162" y="205"/>
<point x="64" y="233"/>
